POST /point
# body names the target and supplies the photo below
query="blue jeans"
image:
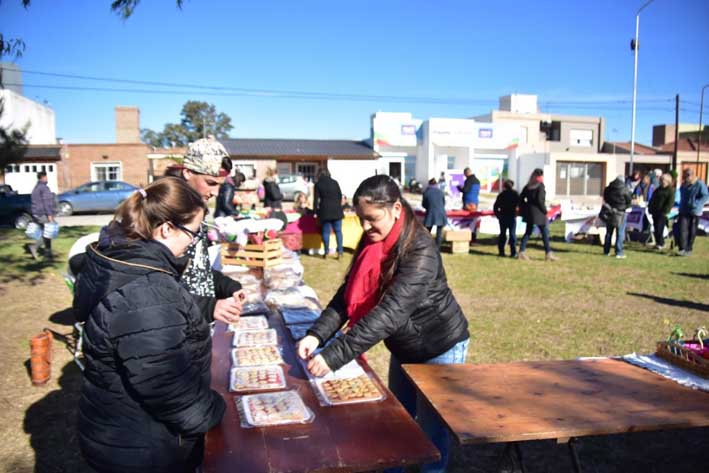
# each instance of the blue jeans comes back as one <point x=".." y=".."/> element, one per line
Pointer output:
<point x="327" y="227"/>
<point x="507" y="223"/>
<point x="415" y="405"/>
<point x="544" y="229"/>
<point x="619" y="237"/>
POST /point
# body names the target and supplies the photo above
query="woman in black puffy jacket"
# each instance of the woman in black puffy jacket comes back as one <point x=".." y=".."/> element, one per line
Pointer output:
<point x="145" y="400"/>
<point x="396" y="291"/>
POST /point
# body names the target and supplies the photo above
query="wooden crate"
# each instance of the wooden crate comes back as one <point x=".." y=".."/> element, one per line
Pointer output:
<point x="265" y="255"/>
<point x="457" y="235"/>
<point x="683" y="357"/>
<point x="460" y="246"/>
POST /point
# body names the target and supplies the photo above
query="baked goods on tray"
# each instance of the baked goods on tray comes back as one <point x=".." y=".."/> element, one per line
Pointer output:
<point x="255" y="338"/>
<point x="349" y="390"/>
<point x="284" y="407"/>
<point x="255" y="322"/>
<point x="253" y="356"/>
<point x="257" y="378"/>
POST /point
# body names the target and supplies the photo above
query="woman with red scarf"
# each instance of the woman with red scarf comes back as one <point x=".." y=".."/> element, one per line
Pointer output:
<point x="396" y="291"/>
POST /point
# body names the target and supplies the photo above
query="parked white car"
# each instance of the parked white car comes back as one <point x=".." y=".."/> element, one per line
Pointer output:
<point x="291" y="185"/>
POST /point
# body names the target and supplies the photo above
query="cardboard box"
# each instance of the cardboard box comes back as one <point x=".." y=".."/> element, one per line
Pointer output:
<point x="457" y="235"/>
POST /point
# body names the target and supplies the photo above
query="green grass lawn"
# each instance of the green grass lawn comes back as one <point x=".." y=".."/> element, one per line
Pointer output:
<point x="583" y="305"/>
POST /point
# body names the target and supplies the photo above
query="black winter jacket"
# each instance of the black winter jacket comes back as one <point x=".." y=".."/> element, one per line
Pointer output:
<point x="417" y="317"/>
<point x="506" y="203"/>
<point x="532" y="204"/>
<point x="273" y="197"/>
<point x="225" y="199"/>
<point x="328" y="199"/>
<point x="661" y="201"/>
<point x="617" y="195"/>
<point x="145" y="400"/>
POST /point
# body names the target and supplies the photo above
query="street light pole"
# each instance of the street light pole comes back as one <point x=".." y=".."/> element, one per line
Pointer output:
<point x="699" y="136"/>
<point x="635" y="45"/>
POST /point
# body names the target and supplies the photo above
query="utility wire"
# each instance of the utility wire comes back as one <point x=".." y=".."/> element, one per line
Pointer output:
<point x="242" y="91"/>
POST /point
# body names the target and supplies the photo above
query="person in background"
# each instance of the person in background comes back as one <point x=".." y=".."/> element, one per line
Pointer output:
<point x="434" y="201"/>
<point x="345" y="204"/>
<point x="660" y="205"/>
<point x="204" y="167"/>
<point x="328" y="208"/>
<point x="617" y="196"/>
<point x="42" y="212"/>
<point x="655" y="176"/>
<point x="442" y="184"/>
<point x="470" y="190"/>
<point x="532" y="206"/>
<point x="146" y="401"/>
<point x="395" y="291"/>
<point x="273" y="197"/>
<point x="633" y="181"/>
<point x="645" y="189"/>
<point x="505" y="209"/>
<point x="300" y="204"/>
<point x="693" y="196"/>
<point x="225" y="199"/>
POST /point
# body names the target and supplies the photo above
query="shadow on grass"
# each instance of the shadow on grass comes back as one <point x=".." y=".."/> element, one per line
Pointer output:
<point x="693" y="275"/>
<point x="51" y="425"/>
<point x="63" y="317"/>
<point x="673" y="302"/>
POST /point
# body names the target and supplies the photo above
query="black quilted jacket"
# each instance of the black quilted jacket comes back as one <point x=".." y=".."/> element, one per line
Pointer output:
<point x="418" y="317"/>
<point x="145" y="400"/>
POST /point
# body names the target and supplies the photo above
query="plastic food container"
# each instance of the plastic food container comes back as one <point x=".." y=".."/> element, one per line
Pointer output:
<point x="255" y="338"/>
<point x="256" y="378"/>
<point x="253" y="322"/>
<point x="254" y="356"/>
<point x="268" y="409"/>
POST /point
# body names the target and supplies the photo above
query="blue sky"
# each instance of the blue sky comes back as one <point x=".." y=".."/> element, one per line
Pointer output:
<point x="467" y="52"/>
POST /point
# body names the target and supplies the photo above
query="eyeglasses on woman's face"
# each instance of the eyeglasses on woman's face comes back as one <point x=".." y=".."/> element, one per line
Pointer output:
<point x="195" y="235"/>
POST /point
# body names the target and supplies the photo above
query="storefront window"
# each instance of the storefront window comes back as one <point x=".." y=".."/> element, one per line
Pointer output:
<point x="573" y="178"/>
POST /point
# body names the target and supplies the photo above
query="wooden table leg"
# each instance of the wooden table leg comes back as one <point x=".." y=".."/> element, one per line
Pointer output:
<point x="514" y="452"/>
<point x="574" y="454"/>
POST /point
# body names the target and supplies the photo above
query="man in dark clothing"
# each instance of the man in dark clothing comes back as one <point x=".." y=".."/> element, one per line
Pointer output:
<point x="434" y="201"/>
<point x="470" y="190"/>
<point x="505" y="209"/>
<point x="42" y="212"/>
<point x="617" y="196"/>
<point x="328" y="208"/>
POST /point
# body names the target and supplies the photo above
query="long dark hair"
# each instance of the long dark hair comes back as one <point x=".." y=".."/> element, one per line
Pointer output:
<point x="169" y="199"/>
<point x="383" y="192"/>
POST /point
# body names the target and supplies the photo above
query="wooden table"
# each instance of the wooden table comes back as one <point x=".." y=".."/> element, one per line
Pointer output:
<point x="522" y="401"/>
<point x="355" y="437"/>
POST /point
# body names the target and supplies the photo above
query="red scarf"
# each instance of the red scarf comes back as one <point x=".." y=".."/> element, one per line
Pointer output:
<point x="362" y="291"/>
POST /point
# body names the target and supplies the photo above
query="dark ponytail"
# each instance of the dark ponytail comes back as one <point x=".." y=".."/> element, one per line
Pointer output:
<point x="382" y="191"/>
<point x="167" y="200"/>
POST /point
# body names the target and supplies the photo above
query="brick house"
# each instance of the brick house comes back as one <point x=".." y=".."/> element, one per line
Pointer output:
<point x="126" y="160"/>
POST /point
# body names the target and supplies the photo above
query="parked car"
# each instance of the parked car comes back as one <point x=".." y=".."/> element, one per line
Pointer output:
<point x="15" y="209"/>
<point x="98" y="196"/>
<point x="291" y="185"/>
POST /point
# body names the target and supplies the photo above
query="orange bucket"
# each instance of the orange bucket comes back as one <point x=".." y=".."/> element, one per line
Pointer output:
<point x="41" y="357"/>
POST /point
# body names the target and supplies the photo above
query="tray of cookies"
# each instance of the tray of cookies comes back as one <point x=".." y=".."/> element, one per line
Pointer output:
<point x="338" y="391"/>
<point x="256" y="378"/>
<point x="255" y="338"/>
<point x="253" y="322"/>
<point x="269" y="409"/>
<point x="254" y="356"/>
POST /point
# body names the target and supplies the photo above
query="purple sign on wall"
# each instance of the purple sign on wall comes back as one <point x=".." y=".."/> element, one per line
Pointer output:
<point x="485" y="133"/>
